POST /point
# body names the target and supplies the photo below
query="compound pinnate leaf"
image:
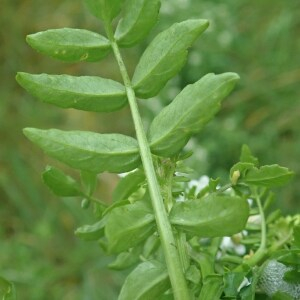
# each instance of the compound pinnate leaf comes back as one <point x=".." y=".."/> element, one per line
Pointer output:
<point x="105" y="10"/>
<point x="189" y="112"/>
<point x="128" y="225"/>
<point x="149" y="280"/>
<point x="165" y="56"/>
<point x="89" y="93"/>
<point x="268" y="176"/>
<point x="138" y="19"/>
<point x="70" y="44"/>
<point x="61" y="184"/>
<point x="89" y="151"/>
<point x="92" y="232"/>
<point x="212" y="216"/>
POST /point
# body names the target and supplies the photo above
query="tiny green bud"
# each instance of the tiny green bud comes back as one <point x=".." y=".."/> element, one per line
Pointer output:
<point x="235" y="177"/>
<point x="85" y="203"/>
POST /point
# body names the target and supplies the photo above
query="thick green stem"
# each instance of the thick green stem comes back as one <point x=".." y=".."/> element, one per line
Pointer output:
<point x="168" y="243"/>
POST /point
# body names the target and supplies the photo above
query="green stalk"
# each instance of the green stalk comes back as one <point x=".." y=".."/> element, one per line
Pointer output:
<point x="180" y="237"/>
<point x="262" y="250"/>
<point x="168" y="243"/>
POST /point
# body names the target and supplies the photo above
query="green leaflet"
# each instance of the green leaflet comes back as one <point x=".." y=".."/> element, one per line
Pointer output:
<point x="105" y="10"/>
<point x="247" y="157"/>
<point x="128" y="225"/>
<point x="232" y="283"/>
<point x="268" y="176"/>
<point x="126" y="259"/>
<point x="189" y="112"/>
<point x="89" y="93"/>
<point x="128" y="185"/>
<point x="212" y="287"/>
<point x="91" y="232"/>
<point x="165" y="56"/>
<point x="149" y="280"/>
<point x="193" y="274"/>
<point x="70" y="45"/>
<point x="88" y="151"/>
<point x="61" y="184"/>
<point x="212" y="216"/>
<point x="151" y="245"/>
<point x="138" y="19"/>
<point x="114" y="205"/>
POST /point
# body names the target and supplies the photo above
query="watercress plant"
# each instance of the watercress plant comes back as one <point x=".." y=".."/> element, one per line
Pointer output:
<point x="168" y="232"/>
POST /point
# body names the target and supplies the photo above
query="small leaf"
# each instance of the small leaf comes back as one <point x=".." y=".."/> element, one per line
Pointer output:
<point x="105" y="10"/>
<point x="292" y="276"/>
<point x="193" y="274"/>
<point x="212" y="287"/>
<point x="165" y="56"/>
<point x="138" y="19"/>
<point x="151" y="245"/>
<point x="126" y="259"/>
<point x="212" y="216"/>
<point x="114" y="205"/>
<point x="268" y="176"/>
<point x="89" y="93"/>
<point x="189" y="112"/>
<point x="290" y="258"/>
<point x="247" y="157"/>
<point x="128" y="185"/>
<point x="61" y="184"/>
<point x="92" y="232"/>
<point x="129" y="225"/>
<point x="70" y="45"/>
<point x="149" y="280"/>
<point x="88" y="151"/>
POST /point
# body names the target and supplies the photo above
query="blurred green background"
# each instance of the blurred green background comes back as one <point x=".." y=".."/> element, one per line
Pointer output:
<point x="257" y="39"/>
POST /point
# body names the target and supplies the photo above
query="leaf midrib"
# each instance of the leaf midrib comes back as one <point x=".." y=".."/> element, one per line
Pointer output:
<point x="78" y="93"/>
<point x="105" y="44"/>
<point x="87" y="150"/>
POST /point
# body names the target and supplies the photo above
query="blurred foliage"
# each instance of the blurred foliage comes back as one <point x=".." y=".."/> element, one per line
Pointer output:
<point x="257" y="39"/>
